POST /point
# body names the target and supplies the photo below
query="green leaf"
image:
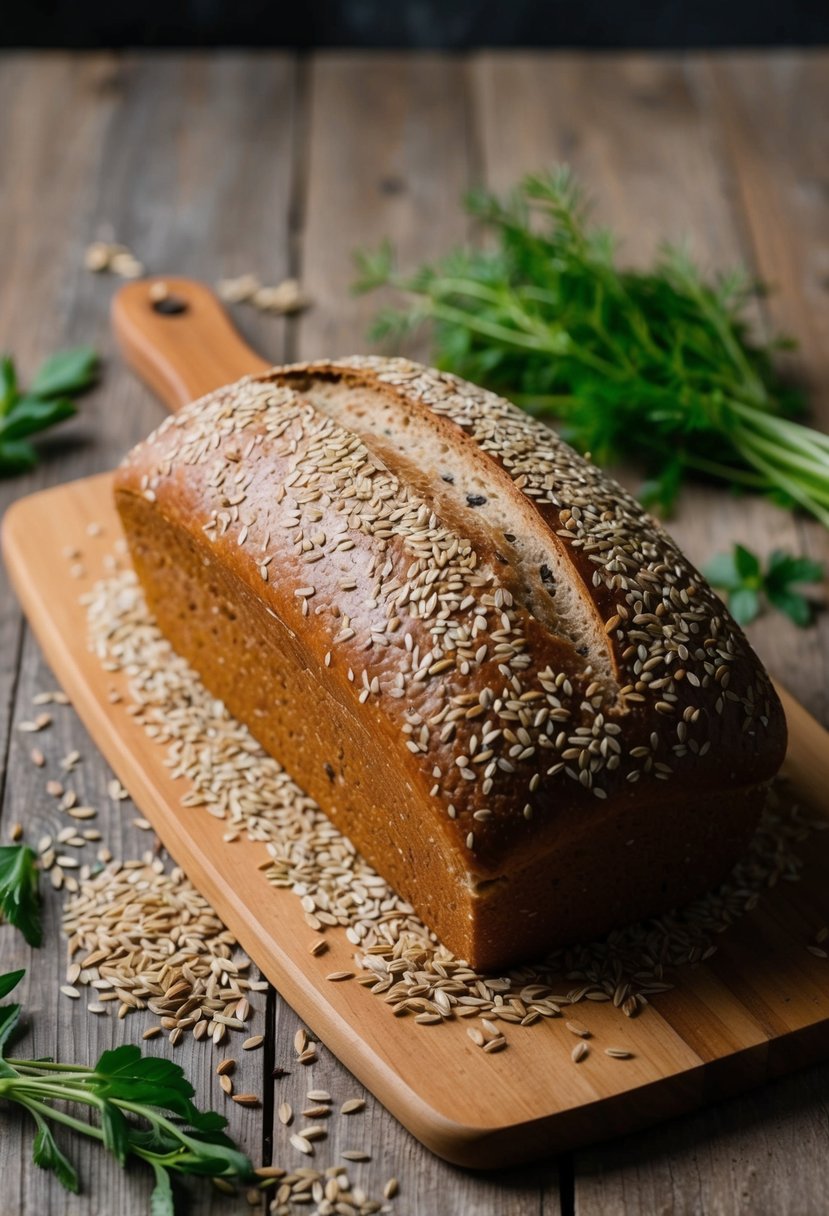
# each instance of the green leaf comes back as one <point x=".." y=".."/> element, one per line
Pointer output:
<point x="16" y="457"/>
<point x="161" y="1199"/>
<point x="744" y="604"/>
<point x="10" y="980"/>
<point x="746" y="563"/>
<point x="9" y="1017"/>
<point x="785" y="569"/>
<point x="721" y="571"/>
<point x="67" y="372"/>
<point x="125" y="1074"/>
<point x="48" y="1156"/>
<point x="30" y="415"/>
<point x="793" y="605"/>
<point x="116" y="1132"/>
<point x="8" y="384"/>
<point x="19" y="898"/>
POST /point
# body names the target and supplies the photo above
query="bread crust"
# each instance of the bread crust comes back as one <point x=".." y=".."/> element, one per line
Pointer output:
<point x="496" y="702"/>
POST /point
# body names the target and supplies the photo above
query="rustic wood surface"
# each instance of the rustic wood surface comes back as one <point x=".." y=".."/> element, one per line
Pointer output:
<point x="211" y="165"/>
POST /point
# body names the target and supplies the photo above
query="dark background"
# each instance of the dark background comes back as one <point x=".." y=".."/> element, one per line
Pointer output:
<point x="434" y="24"/>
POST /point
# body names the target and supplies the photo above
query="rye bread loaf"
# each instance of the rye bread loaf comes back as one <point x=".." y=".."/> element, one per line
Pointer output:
<point x="488" y="665"/>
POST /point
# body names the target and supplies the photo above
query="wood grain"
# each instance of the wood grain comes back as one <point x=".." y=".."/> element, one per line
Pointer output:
<point x="742" y="137"/>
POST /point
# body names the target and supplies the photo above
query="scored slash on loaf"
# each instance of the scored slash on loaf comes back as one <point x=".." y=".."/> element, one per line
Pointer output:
<point x="491" y="668"/>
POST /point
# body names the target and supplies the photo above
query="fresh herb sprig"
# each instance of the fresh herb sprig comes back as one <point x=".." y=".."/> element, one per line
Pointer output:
<point x="19" y="894"/>
<point x="47" y="401"/>
<point x="651" y="367"/>
<point x="749" y="586"/>
<point x="140" y="1106"/>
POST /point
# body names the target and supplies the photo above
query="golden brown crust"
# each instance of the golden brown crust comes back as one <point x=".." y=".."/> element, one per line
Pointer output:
<point x="514" y="724"/>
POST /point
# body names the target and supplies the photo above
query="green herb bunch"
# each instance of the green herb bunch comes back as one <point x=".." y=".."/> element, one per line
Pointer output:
<point x="651" y="367"/>
<point x="46" y="401"/>
<point x="136" y="1106"/>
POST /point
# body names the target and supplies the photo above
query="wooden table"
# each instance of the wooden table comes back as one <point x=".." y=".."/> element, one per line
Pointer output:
<point x="212" y="165"/>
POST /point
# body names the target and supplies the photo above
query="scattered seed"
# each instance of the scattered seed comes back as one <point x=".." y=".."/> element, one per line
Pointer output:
<point x="578" y="1028"/>
<point x="70" y="990"/>
<point x="302" y="1145"/>
<point x="253" y="1042"/>
<point x="391" y="1188"/>
<point x="579" y="1052"/>
<point x="246" y="1099"/>
<point x="355" y="1154"/>
<point x="285" y="1113"/>
<point x="618" y="1053"/>
<point x="352" y="1106"/>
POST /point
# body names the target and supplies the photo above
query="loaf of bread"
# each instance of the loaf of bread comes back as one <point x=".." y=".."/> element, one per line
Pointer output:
<point x="489" y="666"/>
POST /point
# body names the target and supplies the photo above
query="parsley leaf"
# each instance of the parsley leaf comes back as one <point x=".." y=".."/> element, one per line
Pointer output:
<point x="740" y="574"/>
<point x="654" y="366"/>
<point x="47" y="402"/>
<point x="19" y="898"/>
<point x="140" y="1106"/>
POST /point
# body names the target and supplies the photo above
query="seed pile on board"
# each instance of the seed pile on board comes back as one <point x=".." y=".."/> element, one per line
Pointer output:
<point x="234" y="780"/>
<point x="143" y="937"/>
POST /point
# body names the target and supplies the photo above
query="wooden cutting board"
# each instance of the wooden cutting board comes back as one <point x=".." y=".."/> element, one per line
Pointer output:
<point x="757" y="1008"/>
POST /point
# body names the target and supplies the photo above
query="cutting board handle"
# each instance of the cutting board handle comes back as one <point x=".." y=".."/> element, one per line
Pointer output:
<point x="183" y="344"/>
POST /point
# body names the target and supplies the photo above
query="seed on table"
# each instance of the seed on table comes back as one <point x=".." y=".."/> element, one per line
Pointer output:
<point x="355" y="1154"/>
<point x="152" y="1032"/>
<point x="308" y="1056"/>
<point x="38" y="757"/>
<point x="318" y="946"/>
<point x="315" y="1132"/>
<point x="70" y="760"/>
<point x="318" y="1095"/>
<point x="68" y="863"/>
<point x="96" y="1007"/>
<point x="391" y="1188"/>
<point x="493" y="1045"/>
<point x="246" y="1099"/>
<point x="579" y="1052"/>
<point x="253" y="1042"/>
<point x="64" y="834"/>
<point x="70" y="990"/>
<point x="54" y="788"/>
<point x="302" y="1145"/>
<point x="817" y="951"/>
<point x="44" y="844"/>
<point x="578" y="1028"/>
<point x="243" y="1009"/>
<point x="16" y="831"/>
<point x="221" y="1184"/>
<point x="269" y="1171"/>
<point x="285" y="1113"/>
<point x="143" y="824"/>
<point x="68" y="800"/>
<point x="226" y="1084"/>
<point x="253" y="1196"/>
<point x="618" y="1053"/>
<point x="116" y="790"/>
<point x="352" y="1106"/>
<point x="225" y="1066"/>
<point x="316" y="1112"/>
<point x="300" y="1041"/>
<point x="476" y="1036"/>
<point x="83" y="812"/>
<point x="336" y="976"/>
